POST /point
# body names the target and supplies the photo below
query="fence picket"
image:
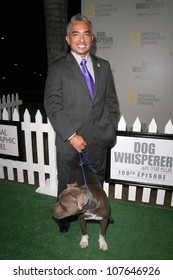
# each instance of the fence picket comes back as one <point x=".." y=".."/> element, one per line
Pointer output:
<point x="171" y="200"/>
<point x="132" y="189"/>
<point x="146" y="195"/>
<point x="152" y="126"/>
<point x="122" y="124"/>
<point x="5" y="115"/>
<point x="2" y="175"/>
<point x="40" y="148"/>
<point x="118" y="191"/>
<point x="160" y="197"/>
<point x="51" y="182"/>
<point x="15" y="116"/>
<point x="137" y="125"/>
<point x="18" y="164"/>
<point x="10" y="103"/>
<point x="106" y="188"/>
<point x="119" y="187"/>
<point x="3" y="99"/>
<point x="169" y="127"/>
<point x="52" y="158"/>
<point x="10" y="170"/>
<point x="26" y="126"/>
<point x="132" y="193"/>
<point x="147" y="191"/>
<point x="12" y="100"/>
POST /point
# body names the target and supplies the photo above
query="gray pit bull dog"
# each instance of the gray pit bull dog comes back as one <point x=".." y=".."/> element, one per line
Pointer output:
<point x="88" y="204"/>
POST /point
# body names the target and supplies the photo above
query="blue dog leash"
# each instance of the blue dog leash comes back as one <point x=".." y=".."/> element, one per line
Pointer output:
<point x="84" y="177"/>
<point x="87" y="160"/>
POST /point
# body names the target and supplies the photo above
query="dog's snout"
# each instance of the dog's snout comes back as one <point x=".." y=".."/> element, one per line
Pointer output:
<point x="51" y="210"/>
<point x="58" y="212"/>
<point x="54" y="212"/>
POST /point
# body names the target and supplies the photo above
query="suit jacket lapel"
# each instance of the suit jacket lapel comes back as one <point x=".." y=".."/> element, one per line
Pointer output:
<point x="96" y="68"/>
<point x="74" y="67"/>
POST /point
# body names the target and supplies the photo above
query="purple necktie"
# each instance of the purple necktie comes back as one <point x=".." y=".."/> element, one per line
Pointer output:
<point x="88" y="77"/>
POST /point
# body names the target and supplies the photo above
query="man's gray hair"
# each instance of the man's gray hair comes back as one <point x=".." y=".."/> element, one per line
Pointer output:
<point x="77" y="17"/>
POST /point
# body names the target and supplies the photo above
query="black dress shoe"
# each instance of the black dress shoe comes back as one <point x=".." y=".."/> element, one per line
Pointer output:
<point x="64" y="225"/>
<point x="110" y="220"/>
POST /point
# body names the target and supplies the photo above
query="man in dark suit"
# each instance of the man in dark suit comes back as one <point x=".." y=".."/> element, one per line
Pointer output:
<point x="81" y="123"/>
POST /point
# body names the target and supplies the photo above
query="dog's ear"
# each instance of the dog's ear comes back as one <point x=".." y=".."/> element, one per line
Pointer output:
<point x="82" y="200"/>
<point x="75" y="184"/>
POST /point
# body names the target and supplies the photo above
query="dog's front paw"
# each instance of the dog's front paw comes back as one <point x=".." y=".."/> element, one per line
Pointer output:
<point x="84" y="241"/>
<point x="102" y="243"/>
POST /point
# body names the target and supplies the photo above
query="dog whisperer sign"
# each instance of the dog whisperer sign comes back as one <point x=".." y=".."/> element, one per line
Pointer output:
<point x="143" y="159"/>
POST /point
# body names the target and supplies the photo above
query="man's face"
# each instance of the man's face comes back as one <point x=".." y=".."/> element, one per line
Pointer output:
<point x="80" y="38"/>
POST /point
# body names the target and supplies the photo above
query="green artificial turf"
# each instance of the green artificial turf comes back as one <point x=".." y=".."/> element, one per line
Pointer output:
<point x="28" y="232"/>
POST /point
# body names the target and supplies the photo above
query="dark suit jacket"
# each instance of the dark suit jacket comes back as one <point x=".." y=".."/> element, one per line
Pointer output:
<point x="69" y="106"/>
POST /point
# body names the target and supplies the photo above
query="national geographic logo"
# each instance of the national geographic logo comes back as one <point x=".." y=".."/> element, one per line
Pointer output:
<point x="90" y="11"/>
<point x="132" y="98"/>
<point x="144" y="99"/>
<point x="135" y="38"/>
<point x="146" y="38"/>
<point x="99" y="10"/>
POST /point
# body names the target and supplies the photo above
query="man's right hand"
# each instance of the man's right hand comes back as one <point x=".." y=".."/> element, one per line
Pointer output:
<point x="78" y="143"/>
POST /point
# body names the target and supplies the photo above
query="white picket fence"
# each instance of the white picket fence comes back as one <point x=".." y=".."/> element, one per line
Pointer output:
<point x="47" y="173"/>
<point x="10" y="103"/>
<point x="39" y="166"/>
